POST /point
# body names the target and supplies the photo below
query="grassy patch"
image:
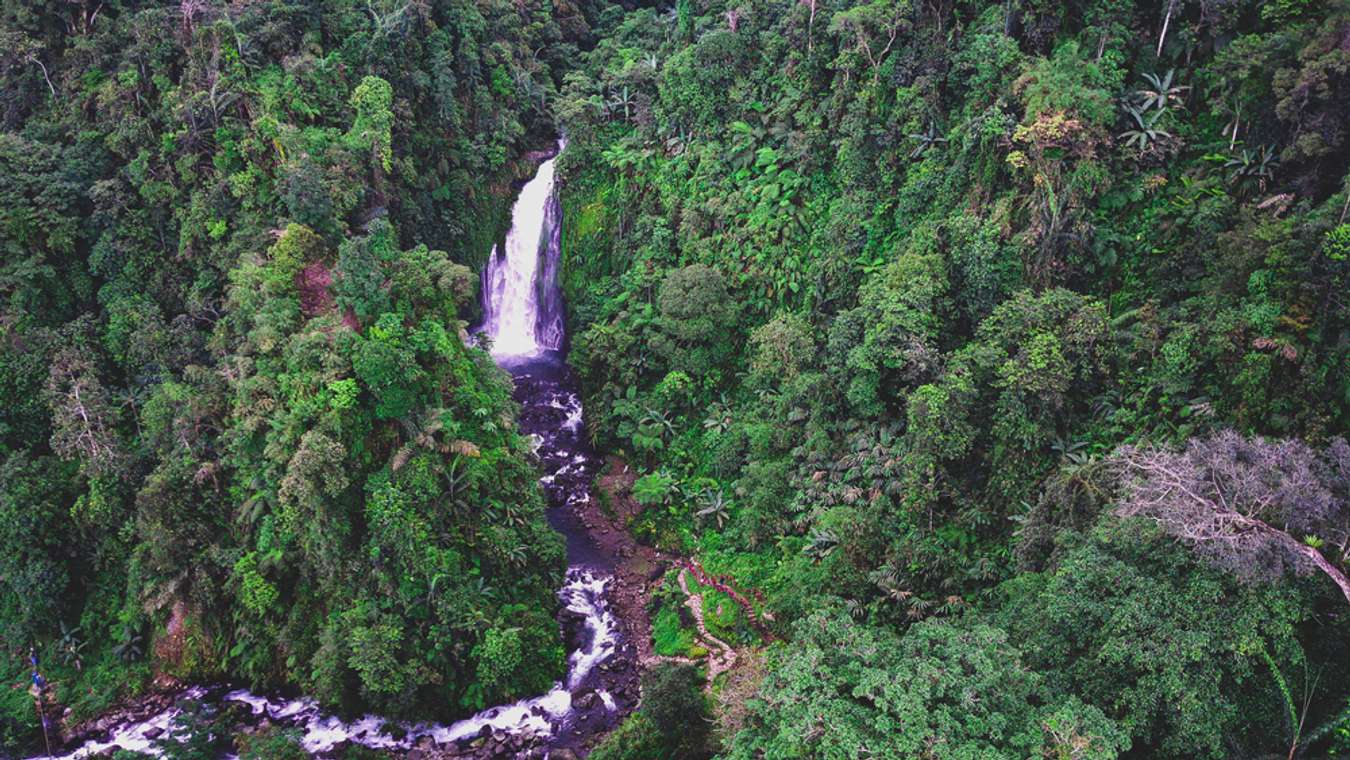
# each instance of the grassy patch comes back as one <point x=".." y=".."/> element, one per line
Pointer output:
<point x="602" y="496"/>
<point x="18" y="720"/>
<point x="670" y="638"/>
<point x="721" y="615"/>
<point x="592" y="218"/>
<point x="101" y="686"/>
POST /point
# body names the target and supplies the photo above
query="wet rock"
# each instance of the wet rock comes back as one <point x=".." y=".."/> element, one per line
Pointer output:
<point x="153" y="733"/>
<point x="238" y="712"/>
<point x="585" y="700"/>
<point x="98" y="734"/>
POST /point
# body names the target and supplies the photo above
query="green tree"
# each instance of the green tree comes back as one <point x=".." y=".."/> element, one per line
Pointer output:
<point x="673" y="723"/>
<point x="870" y="30"/>
<point x="843" y="689"/>
<point x="1168" y="649"/>
<point x="373" y="126"/>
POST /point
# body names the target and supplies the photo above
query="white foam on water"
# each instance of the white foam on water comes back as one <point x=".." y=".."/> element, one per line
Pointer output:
<point x="586" y="595"/>
<point x="582" y="593"/>
<point x="573" y="421"/>
<point x="132" y="736"/>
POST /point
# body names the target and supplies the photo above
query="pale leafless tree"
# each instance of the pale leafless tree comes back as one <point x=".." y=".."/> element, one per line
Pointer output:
<point x="810" y="21"/>
<point x="17" y="48"/>
<point x="734" y="19"/>
<point x="83" y="414"/>
<point x="1167" y="20"/>
<point x="83" y="14"/>
<point x="1254" y="506"/>
<point x="190" y="10"/>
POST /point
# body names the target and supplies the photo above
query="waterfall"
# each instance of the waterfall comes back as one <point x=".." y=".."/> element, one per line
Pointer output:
<point x="523" y="310"/>
<point x="522" y="304"/>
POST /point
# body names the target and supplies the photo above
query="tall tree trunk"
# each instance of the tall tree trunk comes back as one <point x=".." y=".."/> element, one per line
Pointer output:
<point x="810" y="24"/>
<point x="1167" y="19"/>
<point x="45" y="76"/>
<point x="1294" y="546"/>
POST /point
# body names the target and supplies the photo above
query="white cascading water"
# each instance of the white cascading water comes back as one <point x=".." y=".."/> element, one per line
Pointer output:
<point x="522" y="311"/>
<point x="523" y="308"/>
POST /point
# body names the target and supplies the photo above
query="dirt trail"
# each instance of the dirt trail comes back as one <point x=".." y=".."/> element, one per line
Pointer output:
<point x="721" y="656"/>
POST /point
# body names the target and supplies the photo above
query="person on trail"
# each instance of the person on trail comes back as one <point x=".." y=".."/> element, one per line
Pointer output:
<point x="38" y="690"/>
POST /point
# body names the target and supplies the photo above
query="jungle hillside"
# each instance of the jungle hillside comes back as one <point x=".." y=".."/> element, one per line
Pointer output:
<point x="971" y="379"/>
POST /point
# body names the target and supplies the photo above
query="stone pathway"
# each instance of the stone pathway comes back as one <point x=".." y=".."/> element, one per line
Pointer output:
<point x="721" y="656"/>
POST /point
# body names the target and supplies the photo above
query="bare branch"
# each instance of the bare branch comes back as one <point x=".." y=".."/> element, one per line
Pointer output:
<point x="1256" y="507"/>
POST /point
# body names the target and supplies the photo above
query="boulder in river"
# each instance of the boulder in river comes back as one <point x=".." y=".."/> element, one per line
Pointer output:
<point x="585" y="699"/>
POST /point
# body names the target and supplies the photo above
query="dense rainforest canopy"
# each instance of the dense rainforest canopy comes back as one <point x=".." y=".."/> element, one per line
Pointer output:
<point x="241" y="434"/>
<point x="1000" y="351"/>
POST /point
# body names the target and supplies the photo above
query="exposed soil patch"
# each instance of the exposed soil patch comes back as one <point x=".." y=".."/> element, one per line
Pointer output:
<point x="169" y="647"/>
<point x="313" y="282"/>
<point x="638" y="568"/>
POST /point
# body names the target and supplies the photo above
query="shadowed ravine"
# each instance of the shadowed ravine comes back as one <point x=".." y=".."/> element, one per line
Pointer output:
<point x="523" y="322"/>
